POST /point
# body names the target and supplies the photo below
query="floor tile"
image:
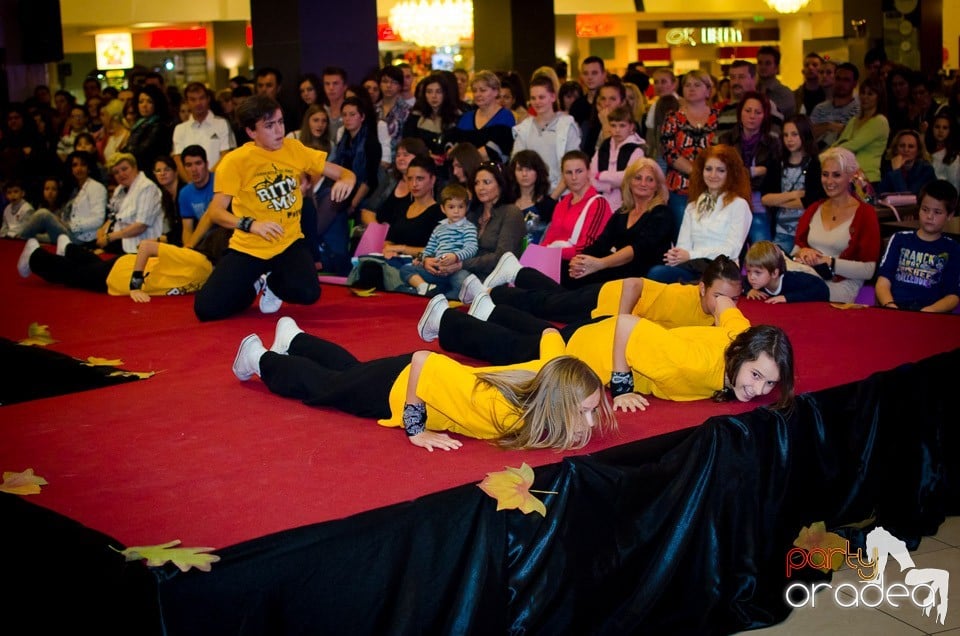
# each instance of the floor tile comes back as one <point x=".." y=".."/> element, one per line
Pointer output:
<point x="949" y="532"/>
<point x="949" y="560"/>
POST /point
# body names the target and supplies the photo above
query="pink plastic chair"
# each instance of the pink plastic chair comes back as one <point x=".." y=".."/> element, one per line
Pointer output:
<point x="371" y="241"/>
<point x="544" y="259"/>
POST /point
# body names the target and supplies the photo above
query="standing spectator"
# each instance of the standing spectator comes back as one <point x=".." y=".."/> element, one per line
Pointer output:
<point x="810" y="93"/>
<point x="866" y="135"/>
<point x="685" y="133"/>
<point x="392" y="109"/>
<point x="595" y="130"/>
<point x="269" y="82"/>
<point x="768" y="67"/>
<point x="334" y="92"/>
<point x="151" y="135"/>
<point x="203" y="128"/>
<point x="260" y="182"/>
<point x="311" y="89"/>
<point x="490" y="126"/>
<point x="407" y="93"/>
<point x="664" y="83"/>
<point x="943" y="143"/>
<point x="828" y="70"/>
<point x="76" y="124"/>
<point x="548" y="133"/>
<point x="569" y="93"/>
<point x="760" y="149"/>
<point x="512" y="96"/>
<point x="831" y="116"/>
<point x="371" y="84"/>
<point x="593" y="75"/>
<point x="433" y="116"/>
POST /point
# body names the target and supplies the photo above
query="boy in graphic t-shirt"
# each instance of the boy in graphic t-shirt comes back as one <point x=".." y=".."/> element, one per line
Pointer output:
<point x="261" y="183"/>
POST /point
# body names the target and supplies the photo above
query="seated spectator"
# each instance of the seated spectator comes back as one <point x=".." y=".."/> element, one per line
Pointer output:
<point x="454" y="239"/>
<point x="581" y="215"/>
<point x="793" y="183"/>
<point x="830" y="117"/>
<point x="166" y="175"/>
<point x="839" y="237"/>
<point x="393" y="197"/>
<point x="115" y="135"/>
<point x="622" y="148"/>
<point x="434" y="115"/>
<point x="75" y="125"/>
<point x="135" y="211"/>
<point x="194" y="197"/>
<point x="512" y="95"/>
<point x="920" y="270"/>
<point x="83" y="214"/>
<point x="910" y="168"/>
<point x="528" y="184"/>
<point x="391" y="108"/>
<point x="17" y="213"/>
<point x="771" y="282"/>
<point x="716" y="221"/>
<point x="943" y="144"/>
<point x="464" y="160"/>
<point x="569" y="93"/>
<point x="151" y="135"/>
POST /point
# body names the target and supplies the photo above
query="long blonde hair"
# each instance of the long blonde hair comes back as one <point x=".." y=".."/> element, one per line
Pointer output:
<point x="548" y="405"/>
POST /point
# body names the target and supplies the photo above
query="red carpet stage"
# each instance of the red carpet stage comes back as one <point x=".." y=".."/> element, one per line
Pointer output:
<point x="276" y="487"/>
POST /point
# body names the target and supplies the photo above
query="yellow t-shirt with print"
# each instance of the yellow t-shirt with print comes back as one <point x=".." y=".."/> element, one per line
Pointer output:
<point x="455" y="402"/>
<point x="174" y="272"/>
<point x="669" y="305"/>
<point x="265" y="185"/>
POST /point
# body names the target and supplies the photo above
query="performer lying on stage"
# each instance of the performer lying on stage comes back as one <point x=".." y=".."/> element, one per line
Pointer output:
<point x="731" y="359"/>
<point x="553" y="402"/>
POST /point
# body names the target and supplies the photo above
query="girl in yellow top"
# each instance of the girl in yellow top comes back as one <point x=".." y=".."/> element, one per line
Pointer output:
<point x="731" y="360"/>
<point x="552" y="402"/>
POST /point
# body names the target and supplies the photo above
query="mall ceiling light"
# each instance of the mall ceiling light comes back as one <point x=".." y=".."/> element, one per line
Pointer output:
<point x="786" y="6"/>
<point x="433" y="23"/>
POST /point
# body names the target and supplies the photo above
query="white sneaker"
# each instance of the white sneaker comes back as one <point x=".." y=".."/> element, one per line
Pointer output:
<point x="23" y="263"/>
<point x="429" y="325"/>
<point x="505" y="272"/>
<point x="482" y="306"/>
<point x="269" y="302"/>
<point x="247" y="362"/>
<point x="62" y="241"/>
<point x="469" y="289"/>
<point x="287" y="330"/>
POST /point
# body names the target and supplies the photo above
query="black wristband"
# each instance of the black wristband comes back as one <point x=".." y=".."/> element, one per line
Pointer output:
<point x="414" y="419"/>
<point x="621" y="382"/>
<point x="245" y="224"/>
<point x="136" y="280"/>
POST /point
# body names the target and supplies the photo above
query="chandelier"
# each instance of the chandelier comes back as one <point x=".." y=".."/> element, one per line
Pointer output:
<point x="786" y="6"/>
<point x="432" y="23"/>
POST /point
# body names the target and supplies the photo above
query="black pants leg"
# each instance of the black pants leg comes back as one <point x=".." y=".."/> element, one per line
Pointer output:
<point x="322" y="373"/>
<point x="78" y="267"/>
<point x="489" y="341"/>
<point x="229" y="290"/>
<point x="293" y="275"/>
<point x="558" y="304"/>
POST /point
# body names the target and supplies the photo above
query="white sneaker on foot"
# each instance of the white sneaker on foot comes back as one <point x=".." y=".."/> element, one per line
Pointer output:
<point x="482" y="306"/>
<point x="469" y="289"/>
<point x="505" y="272"/>
<point x="62" y="241"/>
<point x="287" y="330"/>
<point x="429" y="325"/>
<point x="23" y="263"/>
<point x="269" y="302"/>
<point x="247" y="362"/>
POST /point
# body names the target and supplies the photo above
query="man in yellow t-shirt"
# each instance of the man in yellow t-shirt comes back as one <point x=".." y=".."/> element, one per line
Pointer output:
<point x="258" y="194"/>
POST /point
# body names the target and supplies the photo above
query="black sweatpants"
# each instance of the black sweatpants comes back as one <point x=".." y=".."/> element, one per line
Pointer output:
<point x="541" y="296"/>
<point x="78" y="267"/>
<point x="322" y="373"/>
<point x="230" y="290"/>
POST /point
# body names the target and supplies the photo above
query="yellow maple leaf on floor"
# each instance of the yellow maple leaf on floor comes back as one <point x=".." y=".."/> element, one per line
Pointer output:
<point x="183" y="558"/>
<point x="143" y="375"/>
<point x="364" y="293"/>
<point x="848" y="306"/>
<point x="25" y="483"/>
<point x="828" y="544"/>
<point x="37" y="336"/>
<point x="93" y="361"/>
<point x="511" y="489"/>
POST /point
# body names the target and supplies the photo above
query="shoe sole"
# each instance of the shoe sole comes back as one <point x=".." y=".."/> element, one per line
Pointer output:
<point x="243" y="377"/>
<point x="436" y="300"/>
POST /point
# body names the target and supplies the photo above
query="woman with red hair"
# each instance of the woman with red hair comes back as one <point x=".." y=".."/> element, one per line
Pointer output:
<point x="716" y="220"/>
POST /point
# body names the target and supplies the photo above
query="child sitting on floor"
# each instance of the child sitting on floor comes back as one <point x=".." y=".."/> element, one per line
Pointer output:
<point x="454" y="239"/>
<point x="771" y="282"/>
<point x="17" y="212"/>
<point x="920" y="270"/>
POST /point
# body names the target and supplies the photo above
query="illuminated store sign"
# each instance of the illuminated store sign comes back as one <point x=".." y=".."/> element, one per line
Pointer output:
<point x="690" y="36"/>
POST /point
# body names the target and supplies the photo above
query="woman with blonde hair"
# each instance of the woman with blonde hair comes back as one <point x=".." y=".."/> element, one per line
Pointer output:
<point x="717" y="219"/>
<point x="553" y="402"/>
<point x="839" y="237"/>
<point x="490" y="126"/>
